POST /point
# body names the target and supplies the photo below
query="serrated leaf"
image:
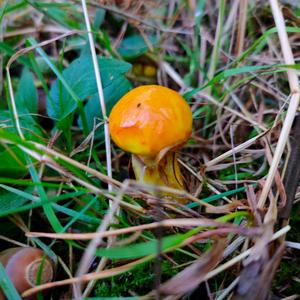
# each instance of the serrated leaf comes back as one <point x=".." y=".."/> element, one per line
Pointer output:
<point x="81" y="78"/>
<point x="135" y="45"/>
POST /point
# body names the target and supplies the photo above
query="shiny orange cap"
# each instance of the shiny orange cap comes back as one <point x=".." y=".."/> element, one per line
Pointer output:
<point x="150" y="119"/>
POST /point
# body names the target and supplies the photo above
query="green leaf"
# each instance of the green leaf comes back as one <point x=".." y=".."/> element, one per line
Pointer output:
<point x="99" y="18"/>
<point x="27" y="96"/>
<point x="7" y="286"/>
<point x="10" y="201"/>
<point x="81" y="79"/>
<point x="28" y="125"/>
<point x="142" y="249"/>
<point x="112" y="95"/>
<point x="217" y="197"/>
<point x="13" y="164"/>
<point x="48" y="210"/>
<point x="74" y="214"/>
<point x="134" y="46"/>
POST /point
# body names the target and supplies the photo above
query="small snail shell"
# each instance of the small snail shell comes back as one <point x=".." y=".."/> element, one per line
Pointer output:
<point x="23" y="266"/>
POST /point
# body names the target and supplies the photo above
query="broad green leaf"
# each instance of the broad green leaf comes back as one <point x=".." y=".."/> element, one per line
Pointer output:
<point x="99" y="18"/>
<point x="135" y="45"/>
<point x="26" y="96"/>
<point x="81" y="79"/>
<point x="112" y="95"/>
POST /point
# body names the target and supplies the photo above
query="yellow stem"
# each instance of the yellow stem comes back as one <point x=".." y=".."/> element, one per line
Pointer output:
<point x="165" y="172"/>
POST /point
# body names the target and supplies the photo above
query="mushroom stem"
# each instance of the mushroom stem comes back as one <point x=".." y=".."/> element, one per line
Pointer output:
<point x="164" y="172"/>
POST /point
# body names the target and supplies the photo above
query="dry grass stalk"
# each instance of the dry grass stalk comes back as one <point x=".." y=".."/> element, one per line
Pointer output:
<point x="294" y="101"/>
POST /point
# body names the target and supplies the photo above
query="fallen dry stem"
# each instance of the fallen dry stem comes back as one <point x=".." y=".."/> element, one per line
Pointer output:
<point x="186" y="222"/>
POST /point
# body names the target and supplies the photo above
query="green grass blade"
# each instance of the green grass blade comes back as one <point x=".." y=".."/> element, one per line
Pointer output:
<point x="7" y="286"/>
<point x="217" y="197"/>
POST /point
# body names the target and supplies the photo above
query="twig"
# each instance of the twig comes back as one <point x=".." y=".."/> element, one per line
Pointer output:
<point x="100" y="92"/>
<point x="187" y="222"/>
<point x="241" y="27"/>
<point x="88" y="254"/>
<point x="294" y="101"/>
<point x="217" y="41"/>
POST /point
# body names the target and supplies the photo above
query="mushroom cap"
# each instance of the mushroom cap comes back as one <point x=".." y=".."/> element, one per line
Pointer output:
<point x="150" y="119"/>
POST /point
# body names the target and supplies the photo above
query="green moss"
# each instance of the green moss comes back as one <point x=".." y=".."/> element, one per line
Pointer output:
<point x="284" y="284"/>
<point x="140" y="281"/>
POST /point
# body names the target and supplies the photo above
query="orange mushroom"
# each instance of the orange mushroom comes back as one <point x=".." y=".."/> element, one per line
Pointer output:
<point x="150" y="122"/>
